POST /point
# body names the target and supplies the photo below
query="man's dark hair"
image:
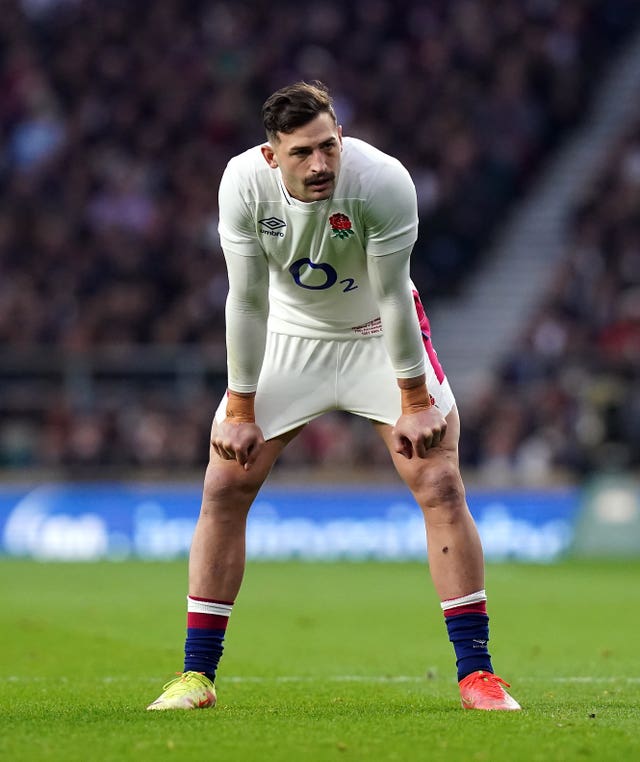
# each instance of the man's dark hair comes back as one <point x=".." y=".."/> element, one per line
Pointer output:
<point x="294" y="106"/>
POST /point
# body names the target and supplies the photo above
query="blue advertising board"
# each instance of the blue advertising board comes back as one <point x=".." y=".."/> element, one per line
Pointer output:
<point x="156" y="521"/>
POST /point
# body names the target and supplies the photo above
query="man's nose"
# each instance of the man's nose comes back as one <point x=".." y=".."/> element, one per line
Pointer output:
<point x="318" y="162"/>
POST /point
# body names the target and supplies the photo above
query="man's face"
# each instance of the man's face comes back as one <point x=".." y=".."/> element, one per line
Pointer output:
<point x="309" y="158"/>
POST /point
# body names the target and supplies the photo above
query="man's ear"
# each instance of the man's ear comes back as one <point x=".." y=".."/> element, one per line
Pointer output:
<point x="269" y="155"/>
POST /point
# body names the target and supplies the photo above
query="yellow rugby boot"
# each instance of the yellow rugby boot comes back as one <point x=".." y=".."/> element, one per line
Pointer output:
<point x="190" y="690"/>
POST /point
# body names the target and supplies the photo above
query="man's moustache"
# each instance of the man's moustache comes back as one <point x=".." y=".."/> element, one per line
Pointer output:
<point x="320" y="179"/>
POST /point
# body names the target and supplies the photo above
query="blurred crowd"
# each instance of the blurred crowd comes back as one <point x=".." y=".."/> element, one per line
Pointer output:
<point x="117" y="119"/>
<point x="567" y="399"/>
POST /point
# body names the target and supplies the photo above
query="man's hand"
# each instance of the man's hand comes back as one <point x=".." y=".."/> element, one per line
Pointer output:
<point x="416" y="433"/>
<point x="237" y="441"/>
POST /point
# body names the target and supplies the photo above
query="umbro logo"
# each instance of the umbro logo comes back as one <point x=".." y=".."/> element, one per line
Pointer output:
<point x="274" y="226"/>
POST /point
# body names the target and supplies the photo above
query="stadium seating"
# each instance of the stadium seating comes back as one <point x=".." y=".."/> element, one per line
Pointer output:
<point x="112" y="285"/>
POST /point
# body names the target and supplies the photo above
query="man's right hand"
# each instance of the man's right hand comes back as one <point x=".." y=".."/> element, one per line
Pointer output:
<point x="237" y="441"/>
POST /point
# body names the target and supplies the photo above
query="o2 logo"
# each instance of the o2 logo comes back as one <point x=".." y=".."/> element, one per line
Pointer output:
<point x="329" y="272"/>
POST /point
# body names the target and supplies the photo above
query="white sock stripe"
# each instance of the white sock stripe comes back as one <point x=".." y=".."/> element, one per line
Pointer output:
<point x="452" y="603"/>
<point x="208" y="607"/>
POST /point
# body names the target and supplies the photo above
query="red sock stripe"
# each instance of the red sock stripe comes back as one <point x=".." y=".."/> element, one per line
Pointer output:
<point x="206" y="621"/>
<point x="211" y="600"/>
<point x="470" y="608"/>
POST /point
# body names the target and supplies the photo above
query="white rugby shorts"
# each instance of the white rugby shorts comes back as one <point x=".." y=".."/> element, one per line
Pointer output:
<point x="303" y="378"/>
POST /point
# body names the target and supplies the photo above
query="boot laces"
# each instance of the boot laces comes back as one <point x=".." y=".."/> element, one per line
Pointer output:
<point x="492" y="684"/>
<point x="182" y="677"/>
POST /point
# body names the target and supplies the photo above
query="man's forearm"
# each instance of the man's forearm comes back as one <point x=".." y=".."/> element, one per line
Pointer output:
<point x="240" y="407"/>
<point x="414" y="394"/>
<point x="246" y="312"/>
<point x="246" y="339"/>
<point x="389" y="276"/>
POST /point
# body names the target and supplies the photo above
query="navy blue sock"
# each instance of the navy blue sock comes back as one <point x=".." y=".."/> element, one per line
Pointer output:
<point x="202" y="651"/>
<point x="469" y="634"/>
<point x="207" y="621"/>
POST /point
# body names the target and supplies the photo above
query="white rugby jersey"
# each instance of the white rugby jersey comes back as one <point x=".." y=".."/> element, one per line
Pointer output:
<point x="317" y="252"/>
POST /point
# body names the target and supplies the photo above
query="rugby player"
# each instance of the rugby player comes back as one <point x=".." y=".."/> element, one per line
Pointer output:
<point x="317" y="231"/>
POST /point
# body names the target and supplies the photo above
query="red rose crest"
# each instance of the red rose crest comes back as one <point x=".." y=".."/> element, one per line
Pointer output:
<point x="340" y="225"/>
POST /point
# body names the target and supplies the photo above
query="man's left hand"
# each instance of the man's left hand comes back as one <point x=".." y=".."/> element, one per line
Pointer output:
<point x="416" y="433"/>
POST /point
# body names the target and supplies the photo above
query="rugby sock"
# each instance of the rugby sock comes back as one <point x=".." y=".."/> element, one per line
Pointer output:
<point x="206" y="627"/>
<point x="468" y="627"/>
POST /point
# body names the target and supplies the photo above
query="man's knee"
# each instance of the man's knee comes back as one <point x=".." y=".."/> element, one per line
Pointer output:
<point x="438" y="487"/>
<point x="228" y="482"/>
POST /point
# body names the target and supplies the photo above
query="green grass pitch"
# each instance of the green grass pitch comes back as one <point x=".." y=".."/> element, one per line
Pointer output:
<point x="323" y="662"/>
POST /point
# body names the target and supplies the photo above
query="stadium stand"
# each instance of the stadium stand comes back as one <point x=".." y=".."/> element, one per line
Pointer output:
<point x="567" y="398"/>
<point x="117" y="119"/>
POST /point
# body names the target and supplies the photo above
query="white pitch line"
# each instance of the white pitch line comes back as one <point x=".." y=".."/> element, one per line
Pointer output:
<point x="411" y="679"/>
<point x="383" y="679"/>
